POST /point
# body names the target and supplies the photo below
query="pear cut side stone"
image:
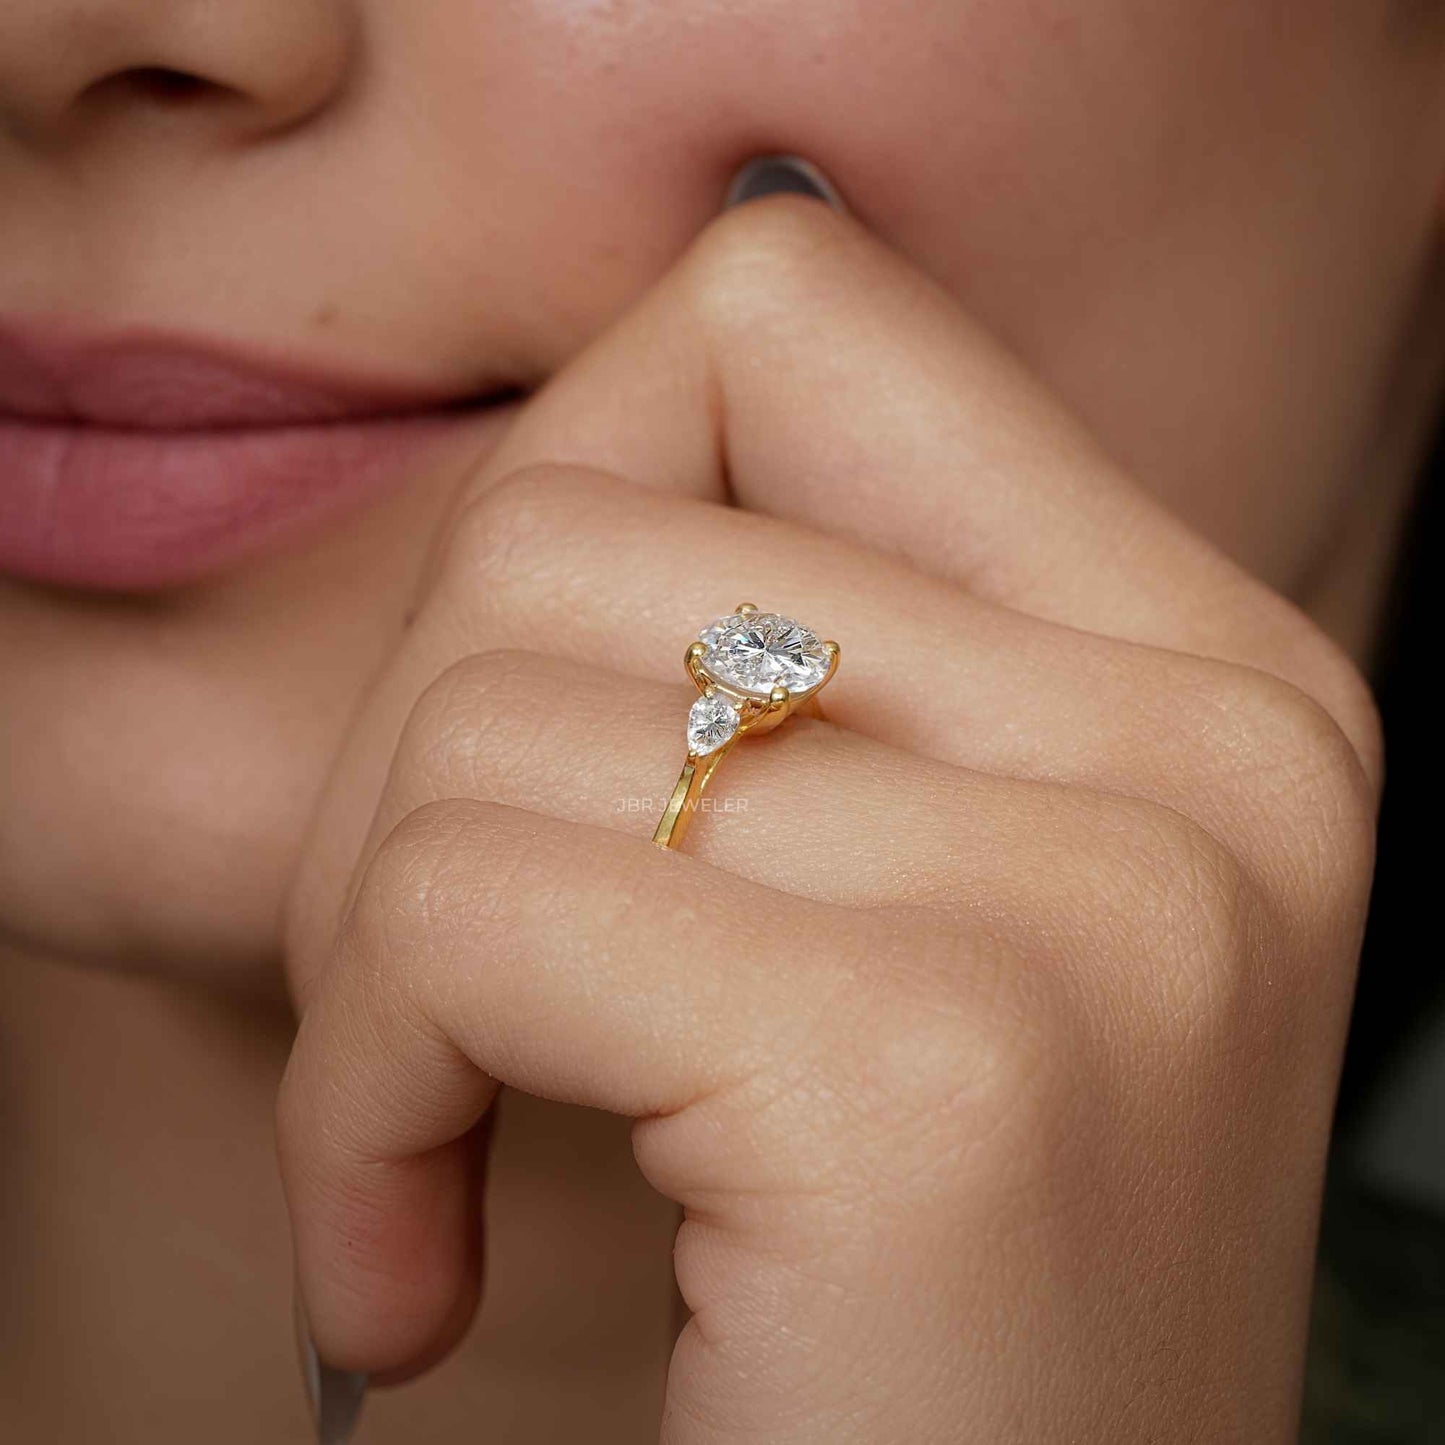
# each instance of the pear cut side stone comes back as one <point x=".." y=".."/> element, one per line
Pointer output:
<point x="752" y="653"/>
<point x="711" y="722"/>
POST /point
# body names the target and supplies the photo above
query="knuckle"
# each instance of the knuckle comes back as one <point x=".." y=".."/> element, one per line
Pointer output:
<point x="465" y="874"/>
<point x="1312" y="785"/>
<point x="963" y="1076"/>
<point x="422" y="880"/>
<point x="1121" y="871"/>
<point x="1344" y="697"/>
<point x="1179" y="914"/>
<point x="1185" y="870"/>
<point x="446" y="735"/>
<point x="533" y="511"/>
<point x="1204" y="951"/>
<point x="454" y="882"/>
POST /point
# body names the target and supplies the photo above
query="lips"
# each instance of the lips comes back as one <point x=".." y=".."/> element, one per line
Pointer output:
<point x="146" y="460"/>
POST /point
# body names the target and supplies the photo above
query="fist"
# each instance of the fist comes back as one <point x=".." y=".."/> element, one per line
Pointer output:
<point x="990" y="1048"/>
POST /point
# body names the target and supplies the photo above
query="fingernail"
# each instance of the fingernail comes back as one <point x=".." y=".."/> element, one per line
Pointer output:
<point x="335" y="1396"/>
<point x="782" y="175"/>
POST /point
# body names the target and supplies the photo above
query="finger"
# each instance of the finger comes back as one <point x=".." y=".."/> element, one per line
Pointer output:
<point x="596" y="569"/>
<point x="809" y="809"/>
<point x="592" y="569"/>
<point x="672" y="397"/>
<point x="490" y="945"/>
<point x="800" y="365"/>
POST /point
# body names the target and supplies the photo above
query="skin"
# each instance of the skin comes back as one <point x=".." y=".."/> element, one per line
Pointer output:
<point x="882" y="1042"/>
<point x="1203" y="331"/>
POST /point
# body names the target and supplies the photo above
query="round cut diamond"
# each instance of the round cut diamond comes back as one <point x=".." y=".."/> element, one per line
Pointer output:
<point x="711" y="722"/>
<point x="758" y="651"/>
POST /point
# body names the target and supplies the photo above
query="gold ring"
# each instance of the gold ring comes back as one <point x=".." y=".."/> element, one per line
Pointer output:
<point x="754" y="670"/>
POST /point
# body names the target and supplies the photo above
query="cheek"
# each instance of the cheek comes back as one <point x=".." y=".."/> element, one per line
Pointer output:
<point x="576" y="147"/>
<point x="1176" y="212"/>
<point x="1010" y="139"/>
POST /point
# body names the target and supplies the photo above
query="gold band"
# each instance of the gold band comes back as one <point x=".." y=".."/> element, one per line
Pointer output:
<point x="686" y="797"/>
<point x="755" y="714"/>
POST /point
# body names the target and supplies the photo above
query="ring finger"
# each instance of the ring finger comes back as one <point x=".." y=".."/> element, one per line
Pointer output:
<point x="928" y="670"/>
<point x="811" y="809"/>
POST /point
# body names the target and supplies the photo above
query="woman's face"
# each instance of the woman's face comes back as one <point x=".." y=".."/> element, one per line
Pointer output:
<point x="1204" y="222"/>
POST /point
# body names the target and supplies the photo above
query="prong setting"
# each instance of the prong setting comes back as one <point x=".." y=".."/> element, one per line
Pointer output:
<point x="752" y="670"/>
<point x="750" y="653"/>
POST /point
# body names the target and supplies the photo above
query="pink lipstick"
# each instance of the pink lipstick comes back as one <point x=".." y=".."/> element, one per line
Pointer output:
<point x="142" y="460"/>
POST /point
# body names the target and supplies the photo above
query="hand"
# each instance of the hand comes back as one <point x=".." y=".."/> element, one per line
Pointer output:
<point x="991" y="1051"/>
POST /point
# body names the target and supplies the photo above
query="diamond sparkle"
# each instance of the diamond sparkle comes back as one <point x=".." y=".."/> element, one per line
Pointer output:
<point x="754" y="652"/>
<point x="711" y="722"/>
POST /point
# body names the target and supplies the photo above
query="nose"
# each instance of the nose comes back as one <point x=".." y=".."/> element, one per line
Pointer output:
<point x="241" y="68"/>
